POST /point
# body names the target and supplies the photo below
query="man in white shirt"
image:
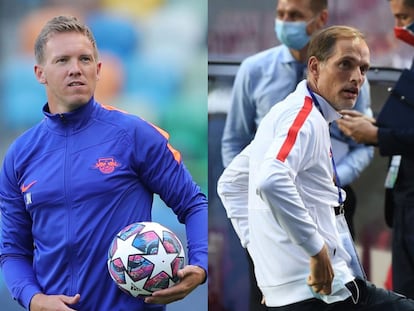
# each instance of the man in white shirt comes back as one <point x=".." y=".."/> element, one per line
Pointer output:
<point x="281" y="196"/>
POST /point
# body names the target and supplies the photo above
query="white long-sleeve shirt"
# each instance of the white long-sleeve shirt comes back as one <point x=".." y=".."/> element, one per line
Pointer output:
<point x="284" y="213"/>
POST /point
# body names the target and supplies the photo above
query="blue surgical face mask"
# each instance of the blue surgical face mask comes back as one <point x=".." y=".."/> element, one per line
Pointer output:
<point x="292" y="34"/>
<point x="339" y="291"/>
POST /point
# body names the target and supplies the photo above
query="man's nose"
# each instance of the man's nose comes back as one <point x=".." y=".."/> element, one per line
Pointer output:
<point x="74" y="68"/>
<point x="358" y="76"/>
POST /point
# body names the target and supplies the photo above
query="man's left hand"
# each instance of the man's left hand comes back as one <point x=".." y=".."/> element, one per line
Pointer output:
<point x="190" y="277"/>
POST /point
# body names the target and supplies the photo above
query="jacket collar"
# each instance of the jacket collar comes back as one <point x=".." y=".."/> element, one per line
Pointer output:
<point x="72" y="121"/>
<point x="327" y="110"/>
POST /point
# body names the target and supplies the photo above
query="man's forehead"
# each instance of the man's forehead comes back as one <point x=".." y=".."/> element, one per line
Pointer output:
<point x="72" y="41"/>
<point x="351" y="46"/>
<point x="67" y="35"/>
<point x="293" y="5"/>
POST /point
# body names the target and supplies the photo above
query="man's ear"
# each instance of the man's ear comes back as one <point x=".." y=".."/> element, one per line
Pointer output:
<point x="323" y="18"/>
<point x="314" y="66"/>
<point x="39" y="73"/>
<point x="98" y="71"/>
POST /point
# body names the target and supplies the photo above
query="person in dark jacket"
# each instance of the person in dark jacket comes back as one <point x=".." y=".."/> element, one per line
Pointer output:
<point x="398" y="143"/>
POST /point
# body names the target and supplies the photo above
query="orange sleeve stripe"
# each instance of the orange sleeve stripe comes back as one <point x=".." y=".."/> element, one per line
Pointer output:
<point x="175" y="152"/>
<point x="294" y="130"/>
<point x="108" y="107"/>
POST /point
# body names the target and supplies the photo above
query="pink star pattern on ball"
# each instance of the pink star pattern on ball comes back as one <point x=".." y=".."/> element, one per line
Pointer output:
<point x="164" y="265"/>
<point x="125" y="249"/>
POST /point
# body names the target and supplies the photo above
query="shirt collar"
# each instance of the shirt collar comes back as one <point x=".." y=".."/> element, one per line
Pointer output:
<point x="329" y="113"/>
<point x="286" y="56"/>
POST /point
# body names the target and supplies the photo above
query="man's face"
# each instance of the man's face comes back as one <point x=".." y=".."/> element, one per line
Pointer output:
<point x="69" y="71"/>
<point x="403" y="15"/>
<point x="297" y="11"/>
<point x="339" y="78"/>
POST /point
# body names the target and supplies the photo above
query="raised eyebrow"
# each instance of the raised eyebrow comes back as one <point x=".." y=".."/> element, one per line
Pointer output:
<point x="348" y="58"/>
<point x="355" y="61"/>
<point x="86" y="55"/>
<point x="60" y="57"/>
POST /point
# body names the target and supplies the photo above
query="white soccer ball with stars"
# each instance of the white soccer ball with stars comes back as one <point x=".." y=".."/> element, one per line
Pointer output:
<point x="144" y="257"/>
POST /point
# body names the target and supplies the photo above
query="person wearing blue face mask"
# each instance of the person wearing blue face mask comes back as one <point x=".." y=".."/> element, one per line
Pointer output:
<point x="267" y="77"/>
<point x="293" y="34"/>
<point x="397" y="142"/>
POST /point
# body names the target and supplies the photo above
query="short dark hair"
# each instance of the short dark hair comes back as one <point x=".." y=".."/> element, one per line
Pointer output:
<point x="318" y="5"/>
<point x="60" y="24"/>
<point x="409" y="3"/>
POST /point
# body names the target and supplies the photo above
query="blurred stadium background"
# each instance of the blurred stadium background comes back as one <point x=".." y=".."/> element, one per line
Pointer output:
<point x="154" y="65"/>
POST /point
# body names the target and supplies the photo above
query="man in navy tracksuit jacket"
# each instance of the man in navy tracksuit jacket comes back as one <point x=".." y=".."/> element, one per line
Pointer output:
<point x="70" y="183"/>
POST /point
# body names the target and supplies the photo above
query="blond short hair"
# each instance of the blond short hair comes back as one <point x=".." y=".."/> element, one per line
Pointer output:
<point x="61" y="24"/>
<point x="322" y="44"/>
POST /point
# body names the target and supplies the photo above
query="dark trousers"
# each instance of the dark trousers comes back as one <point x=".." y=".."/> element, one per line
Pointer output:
<point x="403" y="248"/>
<point x="371" y="298"/>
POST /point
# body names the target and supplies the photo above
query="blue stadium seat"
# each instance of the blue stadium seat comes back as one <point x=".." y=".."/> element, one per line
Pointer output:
<point x="22" y="96"/>
<point x="114" y="33"/>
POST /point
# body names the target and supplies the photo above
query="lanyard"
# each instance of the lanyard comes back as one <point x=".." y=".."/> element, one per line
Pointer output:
<point x="338" y="182"/>
<point x="348" y="244"/>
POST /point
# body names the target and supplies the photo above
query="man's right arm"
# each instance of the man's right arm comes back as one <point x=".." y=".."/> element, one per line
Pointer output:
<point x="19" y="278"/>
<point x="16" y="243"/>
<point x="233" y="188"/>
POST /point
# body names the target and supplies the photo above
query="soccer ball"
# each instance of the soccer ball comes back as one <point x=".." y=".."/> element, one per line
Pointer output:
<point x="144" y="257"/>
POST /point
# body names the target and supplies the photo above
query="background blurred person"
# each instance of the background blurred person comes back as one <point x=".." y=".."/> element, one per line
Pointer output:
<point x="396" y="141"/>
